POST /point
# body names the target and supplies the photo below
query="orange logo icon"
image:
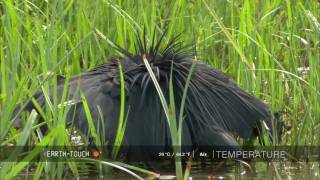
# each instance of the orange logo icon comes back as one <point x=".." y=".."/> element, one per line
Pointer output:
<point x="95" y="153"/>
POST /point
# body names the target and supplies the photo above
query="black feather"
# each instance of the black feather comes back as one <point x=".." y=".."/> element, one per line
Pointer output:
<point x="216" y="108"/>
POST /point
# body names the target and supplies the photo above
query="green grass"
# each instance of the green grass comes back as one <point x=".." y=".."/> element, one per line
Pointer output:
<point x="170" y="112"/>
<point x="262" y="44"/>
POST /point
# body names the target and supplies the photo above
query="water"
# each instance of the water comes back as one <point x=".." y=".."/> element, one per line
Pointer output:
<point x="239" y="170"/>
<point x="256" y="170"/>
<point x="216" y="170"/>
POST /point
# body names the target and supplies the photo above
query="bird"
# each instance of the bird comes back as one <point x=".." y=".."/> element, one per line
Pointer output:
<point x="216" y="110"/>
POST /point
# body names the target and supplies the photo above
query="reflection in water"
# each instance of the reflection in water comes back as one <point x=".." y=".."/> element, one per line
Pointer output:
<point x="209" y="170"/>
<point x="252" y="170"/>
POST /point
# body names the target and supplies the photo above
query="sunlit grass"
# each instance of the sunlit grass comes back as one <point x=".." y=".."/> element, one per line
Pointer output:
<point x="170" y="111"/>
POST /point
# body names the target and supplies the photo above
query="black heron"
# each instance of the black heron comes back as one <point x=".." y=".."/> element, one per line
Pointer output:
<point x="216" y="109"/>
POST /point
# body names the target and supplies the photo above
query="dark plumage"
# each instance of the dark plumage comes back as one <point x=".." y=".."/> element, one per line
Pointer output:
<point x="216" y="109"/>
